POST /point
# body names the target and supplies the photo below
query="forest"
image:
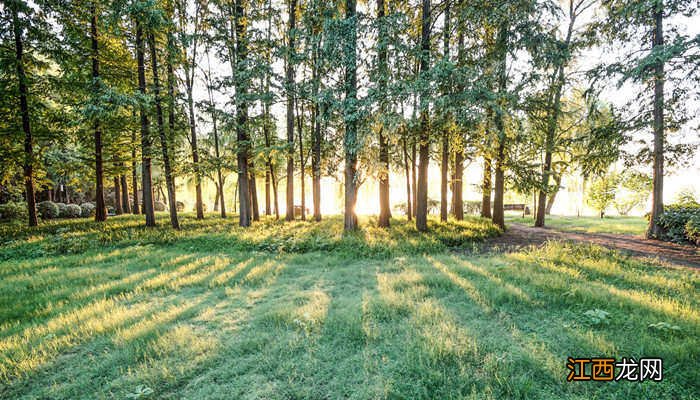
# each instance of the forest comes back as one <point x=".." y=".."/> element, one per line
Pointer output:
<point x="347" y="199"/>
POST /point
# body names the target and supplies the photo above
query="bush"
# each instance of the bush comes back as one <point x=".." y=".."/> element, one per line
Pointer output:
<point x="675" y="218"/>
<point x="87" y="210"/>
<point x="472" y="207"/>
<point x="48" y="210"/>
<point x="692" y="229"/>
<point x="158" y="206"/>
<point x="13" y="211"/>
<point x="62" y="210"/>
<point x="180" y="206"/>
<point x="73" y="211"/>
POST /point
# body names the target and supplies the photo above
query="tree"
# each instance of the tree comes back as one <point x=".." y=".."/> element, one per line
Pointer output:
<point x="289" y="83"/>
<point x="601" y="192"/>
<point x="350" y="115"/>
<point x="424" y="135"/>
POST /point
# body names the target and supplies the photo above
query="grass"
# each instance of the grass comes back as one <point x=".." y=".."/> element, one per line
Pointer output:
<point x="301" y="311"/>
<point x="619" y="225"/>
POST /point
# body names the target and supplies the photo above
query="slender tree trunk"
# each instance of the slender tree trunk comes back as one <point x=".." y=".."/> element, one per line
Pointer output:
<point x="274" y="192"/>
<point x="268" y="208"/>
<point x="657" y="194"/>
<point x="28" y="165"/>
<point x="169" y="182"/>
<point x="382" y="57"/>
<point x="245" y="212"/>
<point x="125" y="193"/>
<point x="414" y="175"/>
<point x="217" y="196"/>
<point x="445" y="133"/>
<point x="289" y="78"/>
<point x="219" y="176"/>
<point x="553" y="195"/>
<point x="316" y="138"/>
<point x="409" y="205"/>
<point x="458" y="205"/>
<point x="300" y="123"/>
<point x="134" y="175"/>
<point x="253" y="191"/>
<point x="190" y="67"/>
<point x="424" y="146"/>
<point x="147" y="184"/>
<point x="486" y="189"/>
<point x="350" y="143"/>
<point x="118" y="209"/>
<point x="100" y="208"/>
<point x="499" y="184"/>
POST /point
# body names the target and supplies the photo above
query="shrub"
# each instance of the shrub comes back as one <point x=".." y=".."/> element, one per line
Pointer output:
<point x="180" y="206"/>
<point x="472" y="207"/>
<point x="47" y="210"/>
<point x="87" y="210"/>
<point x="73" y="211"/>
<point x="13" y="211"/>
<point x="62" y="210"/>
<point x="692" y="229"/>
<point x="158" y="206"/>
<point x="675" y="218"/>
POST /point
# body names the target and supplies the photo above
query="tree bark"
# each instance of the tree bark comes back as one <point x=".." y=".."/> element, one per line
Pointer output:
<point x="217" y="196"/>
<point x="350" y="118"/>
<point x="486" y="188"/>
<point x="657" y="194"/>
<point x="445" y="133"/>
<point x="118" y="209"/>
<point x="409" y="206"/>
<point x="147" y="184"/>
<point x="424" y="146"/>
<point x="300" y="116"/>
<point x="28" y="164"/>
<point x="125" y="193"/>
<point x="382" y="58"/>
<point x="134" y="175"/>
<point x="169" y="181"/>
<point x="499" y="184"/>
<point x="100" y="209"/>
<point x="244" y="214"/>
<point x="253" y="191"/>
<point x="553" y="195"/>
<point x="458" y="204"/>
<point x="289" y="78"/>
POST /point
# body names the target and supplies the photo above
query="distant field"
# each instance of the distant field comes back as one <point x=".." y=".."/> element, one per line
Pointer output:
<point x="302" y="311"/>
<point x="621" y="225"/>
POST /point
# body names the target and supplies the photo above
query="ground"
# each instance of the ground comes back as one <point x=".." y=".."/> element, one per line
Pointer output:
<point x="292" y="311"/>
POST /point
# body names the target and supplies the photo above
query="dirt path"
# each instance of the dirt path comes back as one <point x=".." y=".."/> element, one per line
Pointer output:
<point x="518" y="236"/>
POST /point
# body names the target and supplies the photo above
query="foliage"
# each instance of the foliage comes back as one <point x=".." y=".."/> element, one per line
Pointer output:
<point x="601" y="192"/>
<point x="73" y="211"/>
<point x="597" y="317"/>
<point x="62" y="210"/>
<point x="674" y="219"/>
<point x="13" y="211"/>
<point x="87" y="210"/>
<point x="692" y="229"/>
<point x="48" y="210"/>
<point x="159" y="206"/>
<point x="636" y="190"/>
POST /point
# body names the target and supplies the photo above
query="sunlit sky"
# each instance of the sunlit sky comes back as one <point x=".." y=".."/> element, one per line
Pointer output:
<point x="569" y="200"/>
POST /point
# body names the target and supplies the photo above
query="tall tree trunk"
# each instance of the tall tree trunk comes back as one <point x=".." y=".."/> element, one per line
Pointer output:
<point x="169" y="181"/>
<point x="125" y="193"/>
<point x="445" y="133"/>
<point x="217" y="196"/>
<point x="134" y="175"/>
<point x="289" y="80"/>
<point x="424" y="146"/>
<point x="553" y="195"/>
<point x="244" y="214"/>
<point x="458" y="203"/>
<point x="409" y="205"/>
<point x="414" y="175"/>
<point x="28" y="164"/>
<point x="100" y="208"/>
<point x="350" y="143"/>
<point x="147" y="184"/>
<point x="382" y="59"/>
<point x="316" y="137"/>
<point x="553" y="119"/>
<point x="300" y="124"/>
<point x="118" y="209"/>
<point x="486" y="188"/>
<point x="499" y="184"/>
<point x="253" y="191"/>
<point x="657" y="194"/>
<point x="269" y="172"/>
<point x="268" y="208"/>
<point x="219" y="176"/>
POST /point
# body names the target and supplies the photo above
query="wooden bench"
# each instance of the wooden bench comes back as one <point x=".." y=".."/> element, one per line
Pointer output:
<point x="517" y="207"/>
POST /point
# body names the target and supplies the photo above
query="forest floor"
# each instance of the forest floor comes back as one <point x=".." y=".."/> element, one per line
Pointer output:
<point x="302" y="311"/>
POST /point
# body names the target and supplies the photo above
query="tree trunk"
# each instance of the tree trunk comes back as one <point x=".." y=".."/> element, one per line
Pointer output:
<point x="350" y="144"/>
<point x="414" y="157"/>
<point x="657" y="194"/>
<point x="28" y="165"/>
<point x="458" y="205"/>
<point x="118" y="209"/>
<point x="100" y="209"/>
<point x="424" y="146"/>
<point x="445" y="133"/>
<point x="382" y="58"/>
<point x="486" y="188"/>
<point x="499" y="184"/>
<point x="190" y="68"/>
<point x="300" y="123"/>
<point x="169" y="182"/>
<point x="217" y="196"/>
<point x="244" y="214"/>
<point x="553" y="195"/>
<point x="409" y="207"/>
<point x="134" y="175"/>
<point x="253" y="191"/>
<point x="289" y="78"/>
<point x="125" y="193"/>
<point x="147" y="184"/>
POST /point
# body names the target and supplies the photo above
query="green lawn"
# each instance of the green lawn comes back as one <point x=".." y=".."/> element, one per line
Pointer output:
<point x="299" y="311"/>
<point x="621" y="225"/>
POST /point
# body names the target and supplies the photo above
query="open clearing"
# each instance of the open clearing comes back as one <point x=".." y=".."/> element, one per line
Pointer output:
<point x="297" y="310"/>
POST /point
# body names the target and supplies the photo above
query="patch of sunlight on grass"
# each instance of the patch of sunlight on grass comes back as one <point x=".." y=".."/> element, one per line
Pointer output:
<point x="472" y="291"/>
<point x="156" y="321"/>
<point x="226" y="276"/>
